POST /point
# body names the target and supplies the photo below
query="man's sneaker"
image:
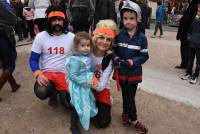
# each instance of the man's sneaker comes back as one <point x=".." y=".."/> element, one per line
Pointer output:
<point x="160" y="36"/>
<point x="153" y="36"/>
<point x="141" y="128"/>
<point x="193" y="80"/>
<point x="186" y="77"/>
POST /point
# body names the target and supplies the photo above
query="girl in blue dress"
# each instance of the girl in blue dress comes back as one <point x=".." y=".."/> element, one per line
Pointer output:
<point x="80" y="80"/>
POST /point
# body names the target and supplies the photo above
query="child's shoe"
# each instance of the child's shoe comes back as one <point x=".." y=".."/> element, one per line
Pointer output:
<point x="140" y="127"/>
<point x="153" y="36"/>
<point x="186" y="77"/>
<point x="15" y="87"/>
<point x="193" y="80"/>
<point x="74" y="123"/>
<point x="125" y="120"/>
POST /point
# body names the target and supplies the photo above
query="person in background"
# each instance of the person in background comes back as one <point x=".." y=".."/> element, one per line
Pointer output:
<point x="8" y="51"/>
<point x="104" y="9"/>
<point x="21" y="28"/>
<point x="28" y="13"/>
<point x="159" y="19"/>
<point x="182" y="36"/>
<point x="183" y="28"/>
<point x="146" y="13"/>
<point x="194" y="49"/>
<point x="169" y="8"/>
<point x="173" y="11"/>
<point x="81" y="14"/>
<point x="39" y="7"/>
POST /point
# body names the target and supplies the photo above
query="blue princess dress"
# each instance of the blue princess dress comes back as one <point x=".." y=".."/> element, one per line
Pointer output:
<point x="78" y="69"/>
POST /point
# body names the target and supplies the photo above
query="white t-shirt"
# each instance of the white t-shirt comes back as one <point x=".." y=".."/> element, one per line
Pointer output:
<point x="103" y="76"/>
<point x="39" y="6"/>
<point x="53" y="50"/>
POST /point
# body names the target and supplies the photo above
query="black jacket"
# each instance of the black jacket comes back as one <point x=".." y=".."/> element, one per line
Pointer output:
<point x="7" y="17"/>
<point x="104" y="9"/>
<point x="186" y="20"/>
<point x="183" y="27"/>
<point x="7" y="22"/>
<point x="134" y="48"/>
<point x="194" y="33"/>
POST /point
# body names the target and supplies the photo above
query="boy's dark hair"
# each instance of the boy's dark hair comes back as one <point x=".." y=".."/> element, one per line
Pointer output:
<point x="127" y="10"/>
<point x="80" y="36"/>
<point x="159" y="2"/>
<point x="65" y="21"/>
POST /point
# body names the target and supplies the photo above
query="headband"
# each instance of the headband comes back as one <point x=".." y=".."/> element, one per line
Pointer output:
<point x="106" y="31"/>
<point x="56" y="14"/>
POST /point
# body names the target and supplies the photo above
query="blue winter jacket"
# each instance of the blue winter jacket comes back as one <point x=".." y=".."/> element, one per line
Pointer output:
<point x="160" y="13"/>
<point x="134" y="48"/>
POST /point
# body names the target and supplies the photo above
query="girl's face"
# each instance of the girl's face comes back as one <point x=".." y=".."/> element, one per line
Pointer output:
<point x="103" y="42"/>
<point x="84" y="47"/>
<point x="129" y="20"/>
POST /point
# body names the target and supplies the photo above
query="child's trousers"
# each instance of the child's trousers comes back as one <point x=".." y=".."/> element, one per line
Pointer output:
<point x="128" y="96"/>
<point x="192" y="53"/>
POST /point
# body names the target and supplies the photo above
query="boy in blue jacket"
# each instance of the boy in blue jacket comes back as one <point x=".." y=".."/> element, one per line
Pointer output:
<point x="130" y="53"/>
<point x="159" y="18"/>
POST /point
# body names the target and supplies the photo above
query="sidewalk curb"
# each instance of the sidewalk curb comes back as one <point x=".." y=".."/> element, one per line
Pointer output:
<point x="23" y="44"/>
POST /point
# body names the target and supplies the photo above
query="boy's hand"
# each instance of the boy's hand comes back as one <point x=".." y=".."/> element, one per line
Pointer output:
<point x="122" y="63"/>
<point x="116" y="62"/>
<point x="130" y="62"/>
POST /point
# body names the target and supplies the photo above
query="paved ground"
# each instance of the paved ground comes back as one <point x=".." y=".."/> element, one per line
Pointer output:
<point x="163" y="79"/>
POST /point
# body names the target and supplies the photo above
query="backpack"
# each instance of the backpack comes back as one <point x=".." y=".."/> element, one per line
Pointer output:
<point x="81" y="10"/>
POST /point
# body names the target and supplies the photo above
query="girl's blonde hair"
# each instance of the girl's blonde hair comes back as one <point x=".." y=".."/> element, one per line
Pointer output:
<point x="107" y="23"/>
<point x="81" y="36"/>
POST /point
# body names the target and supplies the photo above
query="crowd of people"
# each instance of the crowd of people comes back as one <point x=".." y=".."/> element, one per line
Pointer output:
<point x="79" y="45"/>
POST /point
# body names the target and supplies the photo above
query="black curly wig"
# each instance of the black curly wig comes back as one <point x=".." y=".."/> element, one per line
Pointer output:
<point x="49" y="25"/>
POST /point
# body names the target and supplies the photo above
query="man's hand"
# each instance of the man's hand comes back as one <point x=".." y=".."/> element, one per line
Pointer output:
<point x="42" y="80"/>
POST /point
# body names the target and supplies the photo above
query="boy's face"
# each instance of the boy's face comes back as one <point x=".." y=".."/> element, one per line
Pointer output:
<point x="198" y="11"/>
<point x="129" y="20"/>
